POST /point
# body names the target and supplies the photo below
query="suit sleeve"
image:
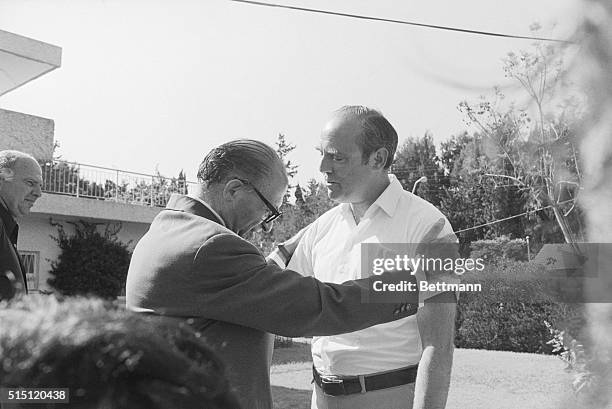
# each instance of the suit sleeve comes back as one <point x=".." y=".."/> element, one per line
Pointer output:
<point x="240" y="287"/>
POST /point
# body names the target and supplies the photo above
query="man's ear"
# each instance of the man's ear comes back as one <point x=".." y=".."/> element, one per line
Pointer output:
<point x="378" y="158"/>
<point x="231" y="188"/>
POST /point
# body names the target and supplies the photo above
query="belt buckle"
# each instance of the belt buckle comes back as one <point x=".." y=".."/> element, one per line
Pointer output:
<point x="326" y="379"/>
<point x="333" y="382"/>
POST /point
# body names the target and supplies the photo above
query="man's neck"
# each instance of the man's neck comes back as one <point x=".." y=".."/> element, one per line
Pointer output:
<point x="205" y="197"/>
<point x="359" y="208"/>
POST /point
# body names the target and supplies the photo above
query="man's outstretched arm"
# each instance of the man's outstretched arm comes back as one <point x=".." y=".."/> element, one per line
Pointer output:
<point x="232" y="282"/>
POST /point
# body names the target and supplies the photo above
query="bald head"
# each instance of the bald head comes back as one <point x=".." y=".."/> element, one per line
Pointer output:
<point x="246" y="158"/>
<point x="21" y="182"/>
<point x="376" y="131"/>
<point x="238" y="178"/>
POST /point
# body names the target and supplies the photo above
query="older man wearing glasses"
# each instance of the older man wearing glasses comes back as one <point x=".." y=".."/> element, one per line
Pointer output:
<point x="194" y="264"/>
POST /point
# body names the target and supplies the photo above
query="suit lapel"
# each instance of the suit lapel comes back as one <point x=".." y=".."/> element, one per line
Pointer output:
<point x="22" y="268"/>
<point x="12" y="229"/>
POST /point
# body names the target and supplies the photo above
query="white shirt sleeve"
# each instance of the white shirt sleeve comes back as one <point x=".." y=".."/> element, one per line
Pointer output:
<point x="444" y="237"/>
<point x="277" y="258"/>
<point x="301" y="261"/>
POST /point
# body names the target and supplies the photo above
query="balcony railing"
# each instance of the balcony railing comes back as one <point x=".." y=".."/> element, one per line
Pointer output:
<point x="79" y="180"/>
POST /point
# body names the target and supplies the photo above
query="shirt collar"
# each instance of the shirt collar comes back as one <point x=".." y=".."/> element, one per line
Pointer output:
<point x="387" y="200"/>
<point x="390" y="197"/>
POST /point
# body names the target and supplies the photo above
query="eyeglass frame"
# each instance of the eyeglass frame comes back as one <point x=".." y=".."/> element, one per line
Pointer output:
<point x="271" y="208"/>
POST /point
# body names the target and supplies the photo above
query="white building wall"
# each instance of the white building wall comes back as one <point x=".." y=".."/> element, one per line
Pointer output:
<point x="26" y="133"/>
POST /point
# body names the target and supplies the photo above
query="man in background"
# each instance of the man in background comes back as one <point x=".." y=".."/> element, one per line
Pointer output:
<point x="395" y="364"/>
<point x="20" y="187"/>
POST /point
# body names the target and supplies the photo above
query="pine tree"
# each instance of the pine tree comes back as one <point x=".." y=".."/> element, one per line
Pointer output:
<point x="283" y="149"/>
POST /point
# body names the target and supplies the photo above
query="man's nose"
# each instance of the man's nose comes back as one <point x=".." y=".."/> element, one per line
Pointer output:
<point x="37" y="191"/>
<point x="324" y="166"/>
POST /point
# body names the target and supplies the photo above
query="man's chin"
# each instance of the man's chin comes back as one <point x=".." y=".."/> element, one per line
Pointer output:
<point x="334" y="195"/>
<point x="332" y="191"/>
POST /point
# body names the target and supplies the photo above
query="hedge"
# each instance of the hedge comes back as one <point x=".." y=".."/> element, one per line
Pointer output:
<point x="511" y="311"/>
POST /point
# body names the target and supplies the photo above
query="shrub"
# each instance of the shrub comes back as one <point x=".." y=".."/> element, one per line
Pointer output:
<point x="282" y="342"/>
<point x="90" y="262"/>
<point x="511" y="311"/>
<point x="583" y="360"/>
<point x="499" y="249"/>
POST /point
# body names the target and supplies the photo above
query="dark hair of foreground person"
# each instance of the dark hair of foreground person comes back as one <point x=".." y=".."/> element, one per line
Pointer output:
<point x="107" y="357"/>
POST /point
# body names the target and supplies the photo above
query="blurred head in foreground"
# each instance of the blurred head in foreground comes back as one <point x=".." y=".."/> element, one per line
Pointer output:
<point x="107" y="357"/>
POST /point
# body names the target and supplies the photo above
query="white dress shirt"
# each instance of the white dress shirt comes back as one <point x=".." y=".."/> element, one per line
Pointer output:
<point x="330" y="251"/>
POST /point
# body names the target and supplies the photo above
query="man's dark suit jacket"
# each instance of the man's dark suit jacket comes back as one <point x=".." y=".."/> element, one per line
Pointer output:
<point x="188" y="265"/>
<point x="12" y="273"/>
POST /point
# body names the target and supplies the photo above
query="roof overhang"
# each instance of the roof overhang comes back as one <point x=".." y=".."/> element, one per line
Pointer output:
<point x="23" y="59"/>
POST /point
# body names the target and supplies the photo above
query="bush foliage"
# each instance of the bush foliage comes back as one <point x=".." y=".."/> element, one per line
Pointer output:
<point x="511" y="311"/>
<point x="90" y="263"/>
<point x="498" y="249"/>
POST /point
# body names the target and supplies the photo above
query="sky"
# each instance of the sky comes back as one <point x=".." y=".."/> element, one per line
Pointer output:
<point x="154" y="84"/>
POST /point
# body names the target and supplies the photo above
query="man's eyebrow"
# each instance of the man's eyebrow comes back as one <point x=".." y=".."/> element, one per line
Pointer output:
<point x="331" y="151"/>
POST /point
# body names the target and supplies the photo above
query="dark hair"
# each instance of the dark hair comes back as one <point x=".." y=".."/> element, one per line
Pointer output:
<point x="377" y="131"/>
<point x="108" y="357"/>
<point x="247" y="158"/>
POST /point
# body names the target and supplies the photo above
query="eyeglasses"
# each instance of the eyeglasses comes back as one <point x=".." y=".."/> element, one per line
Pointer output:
<point x="273" y="212"/>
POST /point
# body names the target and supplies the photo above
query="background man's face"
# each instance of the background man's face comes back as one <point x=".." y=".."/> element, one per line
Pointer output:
<point x="20" y="193"/>
<point x="346" y="176"/>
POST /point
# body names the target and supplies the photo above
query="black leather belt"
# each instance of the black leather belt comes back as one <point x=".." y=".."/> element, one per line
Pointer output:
<point x="347" y="385"/>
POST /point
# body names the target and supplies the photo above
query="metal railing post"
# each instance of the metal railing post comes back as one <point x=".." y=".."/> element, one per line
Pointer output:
<point x="117" y="186"/>
<point x="78" y="181"/>
<point x="152" y="183"/>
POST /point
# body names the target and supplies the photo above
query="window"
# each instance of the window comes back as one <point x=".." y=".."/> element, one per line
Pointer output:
<point x="30" y="263"/>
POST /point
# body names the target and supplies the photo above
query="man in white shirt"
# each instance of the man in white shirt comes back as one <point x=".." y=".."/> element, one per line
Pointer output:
<point x="402" y="364"/>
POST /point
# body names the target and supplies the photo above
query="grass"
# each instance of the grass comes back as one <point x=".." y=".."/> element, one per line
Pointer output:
<point x="480" y="379"/>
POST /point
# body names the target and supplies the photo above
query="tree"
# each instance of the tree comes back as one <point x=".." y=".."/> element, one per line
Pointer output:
<point x="450" y="152"/>
<point x="472" y="198"/>
<point x="299" y="195"/>
<point x="415" y="158"/>
<point x="283" y="149"/>
<point x="530" y="154"/>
